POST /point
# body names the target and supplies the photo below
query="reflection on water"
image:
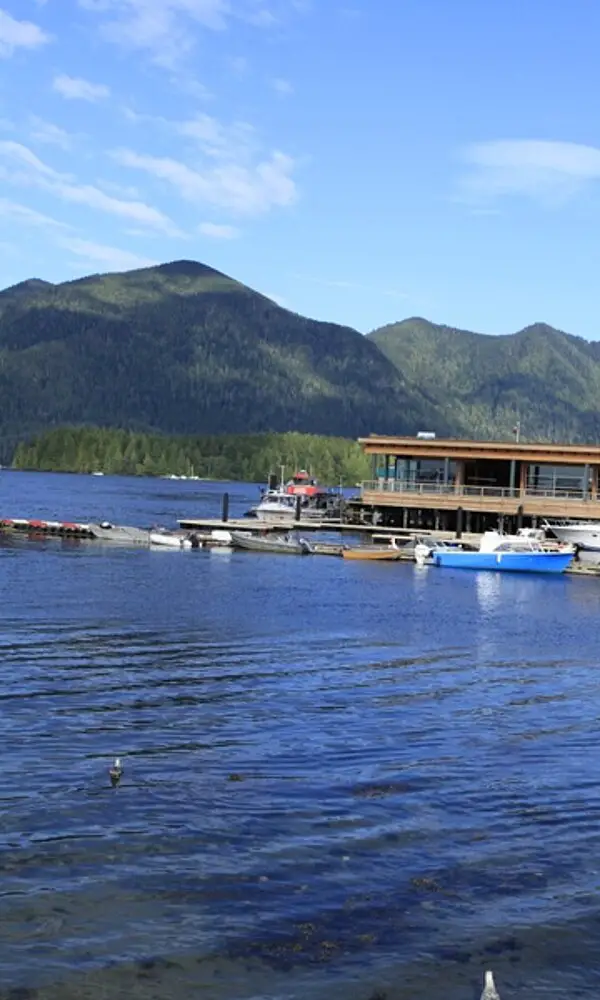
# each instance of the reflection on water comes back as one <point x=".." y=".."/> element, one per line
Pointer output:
<point x="488" y="587"/>
<point x="342" y="780"/>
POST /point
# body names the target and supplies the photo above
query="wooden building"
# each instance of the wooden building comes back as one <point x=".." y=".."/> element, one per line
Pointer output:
<point x="450" y="484"/>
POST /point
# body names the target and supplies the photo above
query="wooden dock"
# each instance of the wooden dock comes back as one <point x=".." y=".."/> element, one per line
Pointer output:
<point x="37" y="528"/>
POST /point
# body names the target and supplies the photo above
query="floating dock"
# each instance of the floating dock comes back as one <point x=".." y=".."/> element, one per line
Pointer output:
<point x="201" y="528"/>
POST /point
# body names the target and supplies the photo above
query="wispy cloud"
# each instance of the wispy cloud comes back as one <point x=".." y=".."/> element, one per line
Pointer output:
<point x="238" y="188"/>
<point x="161" y="27"/>
<point x="218" y="231"/>
<point x="19" y="35"/>
<point x="218" y="141"/>
<point x="551" y="172"/>
<point x="111" y="258"/>
<point x="74" y="88"/>
<point x="282" y="87"/>
<point x="167" y="29"/>
<point x="49" y="134"/>
<point x="28" y="216"/>
<point x="29" y="170"/>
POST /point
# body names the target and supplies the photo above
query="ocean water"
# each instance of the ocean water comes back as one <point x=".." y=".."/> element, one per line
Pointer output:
<point x="342" y="781"/>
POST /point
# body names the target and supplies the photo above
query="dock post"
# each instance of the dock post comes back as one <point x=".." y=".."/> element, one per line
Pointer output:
<point x="459" y="522"/>
<point x="225" y="508"/>
<point x="298" y="506"/>
<point x="519" y="517"/>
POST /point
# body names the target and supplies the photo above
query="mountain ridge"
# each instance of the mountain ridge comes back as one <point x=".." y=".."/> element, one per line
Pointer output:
<point x="545" y="377"/>
<point x="181" y="348"/>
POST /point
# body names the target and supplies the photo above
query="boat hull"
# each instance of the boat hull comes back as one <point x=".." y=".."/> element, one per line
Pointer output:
<point x="504" y="562"/>
<point x="274" y="545"/>
<point x="585" y="537"/>
<point x="382" y="555"/>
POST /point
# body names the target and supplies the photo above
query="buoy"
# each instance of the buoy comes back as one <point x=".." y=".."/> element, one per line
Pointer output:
<point x="115" y="772"/>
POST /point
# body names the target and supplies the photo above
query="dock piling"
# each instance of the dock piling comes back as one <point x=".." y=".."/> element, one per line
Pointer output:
<point x="298" y="506"/>
<point x="225" y="507"/>
<point x="459" y="522"/>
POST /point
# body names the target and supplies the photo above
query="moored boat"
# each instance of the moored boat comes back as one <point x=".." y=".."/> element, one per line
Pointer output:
<point x="381" y="553"/>
<point x="516" y="554"/>
<point x="280" y="543"/>
<point x="170" y="539"/>
<point x="584" y="534"/>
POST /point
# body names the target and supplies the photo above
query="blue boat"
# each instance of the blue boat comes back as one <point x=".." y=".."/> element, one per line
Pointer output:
<point x="500" y="553"/>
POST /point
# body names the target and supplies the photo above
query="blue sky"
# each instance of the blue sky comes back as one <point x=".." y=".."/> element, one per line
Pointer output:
<point x="360" y="161"/>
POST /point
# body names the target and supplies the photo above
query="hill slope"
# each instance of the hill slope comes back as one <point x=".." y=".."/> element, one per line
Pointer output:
<point x="181" y="348"/>
<point x="548" y="379"/>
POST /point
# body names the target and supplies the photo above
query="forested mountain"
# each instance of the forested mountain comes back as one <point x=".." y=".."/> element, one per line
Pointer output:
<point x="548" y="379"/>
<point x="181" y="348"/>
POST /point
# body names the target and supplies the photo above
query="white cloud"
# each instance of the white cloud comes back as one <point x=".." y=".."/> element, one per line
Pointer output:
<point x="281" y="86"/>
<point x="218" y="141"/>
<point x="239" y="188"/>
<point x="19" y="35"/>
<point x="75" y="89"/>
<point x="541" y="169"/>
<point x="28" y="216"/>
<point x="48" y="133"/>
<point x="218" y="232"/>
<point x="111" y="258"/>
<point x="162" y="27"/>
<point x="165" y="29"/>
<point x="36" y="173"/>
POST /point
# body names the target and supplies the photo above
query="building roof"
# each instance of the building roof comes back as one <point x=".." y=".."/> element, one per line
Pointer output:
<point x="535" y="452"/>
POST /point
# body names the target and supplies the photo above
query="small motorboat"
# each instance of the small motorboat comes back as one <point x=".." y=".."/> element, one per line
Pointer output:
<point x="170" y="539"/>
<point x="274" y="543"/>
<point x="502" y="553"/>
<point x="384" y="553"/>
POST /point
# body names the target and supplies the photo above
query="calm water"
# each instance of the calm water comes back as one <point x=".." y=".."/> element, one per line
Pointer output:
<point x="341" y="780"/>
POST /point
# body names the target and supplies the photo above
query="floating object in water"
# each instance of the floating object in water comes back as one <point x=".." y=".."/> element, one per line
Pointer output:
<point x="489" y="988"/>
<point x="115" y="772"/>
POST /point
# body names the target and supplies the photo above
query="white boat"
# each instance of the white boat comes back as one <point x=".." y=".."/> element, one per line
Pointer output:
<point x="170" y="539"/>
<point x="583" y="534"/>
<point x="274" y="506"/>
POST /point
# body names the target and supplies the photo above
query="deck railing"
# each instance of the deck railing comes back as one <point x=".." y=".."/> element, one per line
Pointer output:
<point x="468" y="490"/>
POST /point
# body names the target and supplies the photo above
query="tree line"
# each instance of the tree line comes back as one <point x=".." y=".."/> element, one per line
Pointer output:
<point x="243" y="457"/>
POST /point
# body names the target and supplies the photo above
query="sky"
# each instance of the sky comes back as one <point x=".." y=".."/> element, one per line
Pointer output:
<point x="359" y="161"/>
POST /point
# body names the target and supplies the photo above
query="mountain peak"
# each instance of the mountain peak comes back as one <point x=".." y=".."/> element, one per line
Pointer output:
<point x="26" y="287"/>
<point x="185" y="268"/>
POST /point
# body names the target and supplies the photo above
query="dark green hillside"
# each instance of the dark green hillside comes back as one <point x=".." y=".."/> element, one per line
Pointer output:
<point x="548" y="379"/>
<point x="183" y="349"/>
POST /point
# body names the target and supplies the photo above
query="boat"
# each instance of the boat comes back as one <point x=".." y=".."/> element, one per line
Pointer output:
<point x="390" y="552"/>
<point x="583" y="534"/>
<point x="300" y="498"/>
<point x="304" y="485"/>
<point x="170" y="539"/>
<point x="516" y="554"/>
<point x="275" y="543"/>
<point x="274" y="505"/>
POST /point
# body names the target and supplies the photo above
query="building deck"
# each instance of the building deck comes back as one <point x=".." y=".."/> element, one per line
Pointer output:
<point x="556" y="505"/>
